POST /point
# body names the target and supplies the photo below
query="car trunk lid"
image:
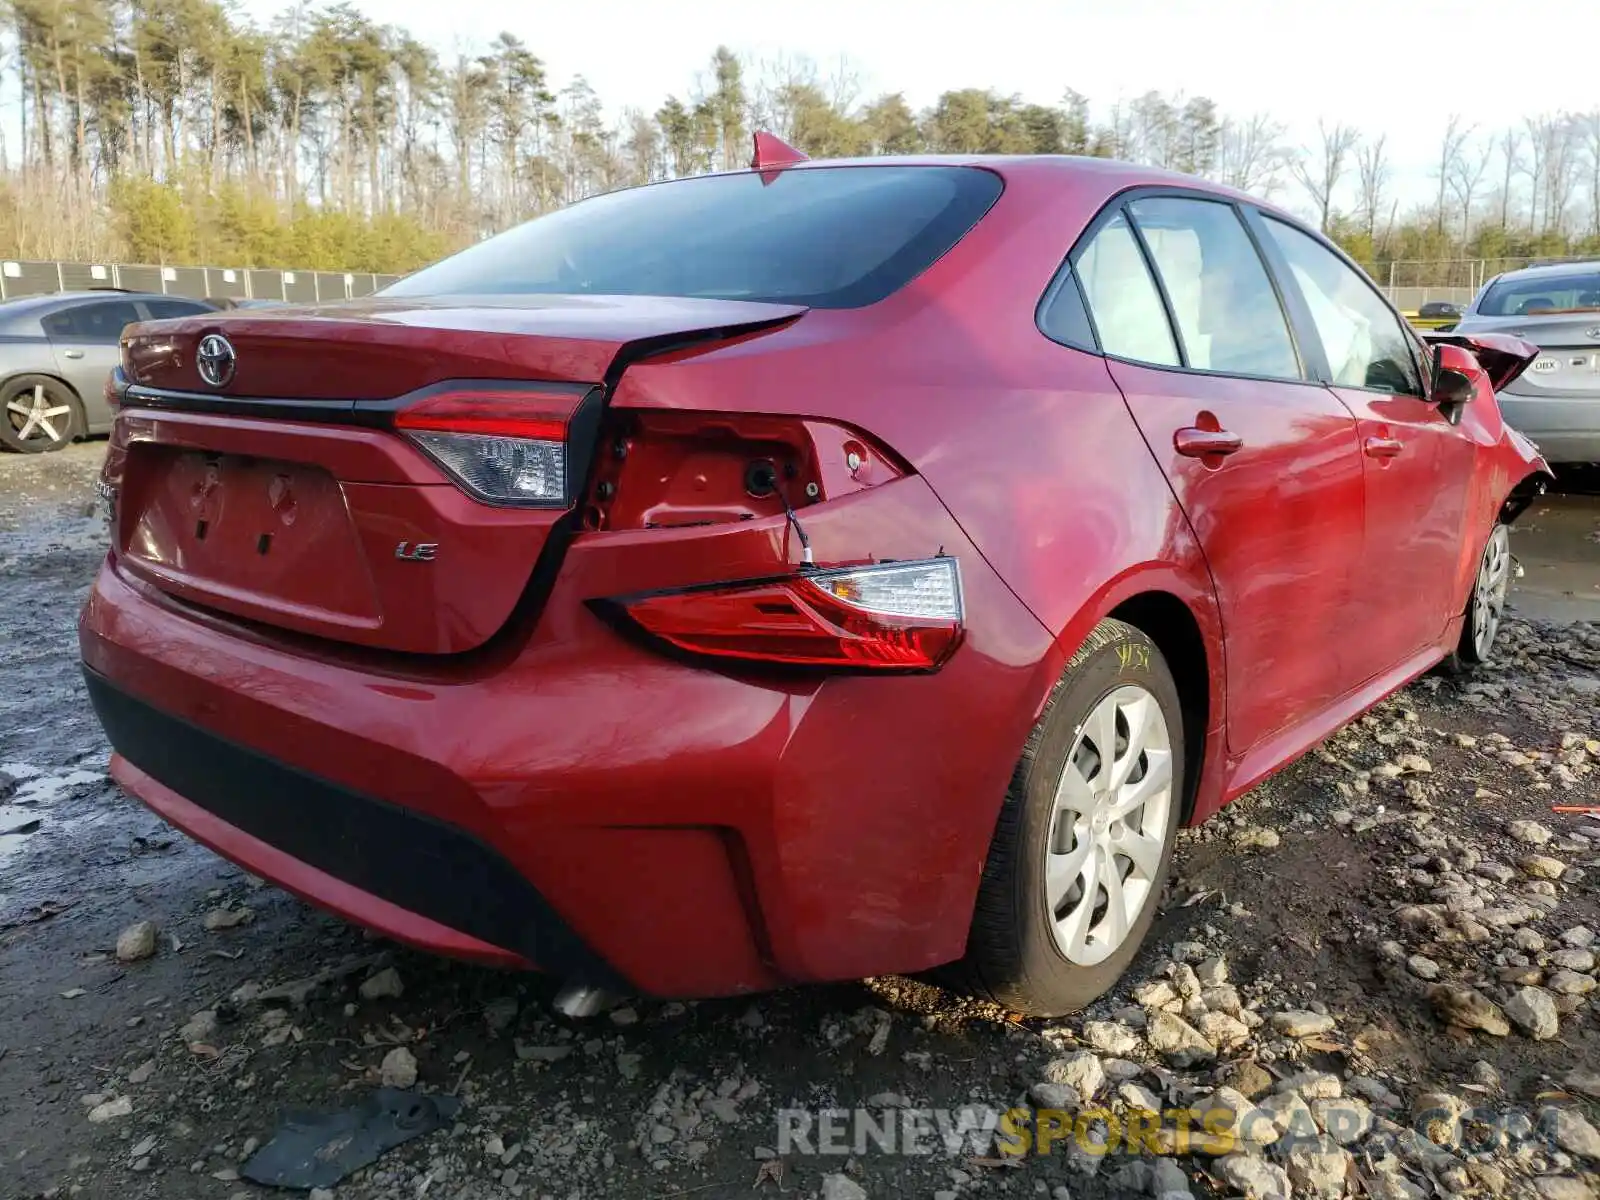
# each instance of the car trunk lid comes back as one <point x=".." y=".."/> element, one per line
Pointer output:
<point x="287" y="496"/>
<point x="378" y="349"/>
<point x="1569" y="351"/>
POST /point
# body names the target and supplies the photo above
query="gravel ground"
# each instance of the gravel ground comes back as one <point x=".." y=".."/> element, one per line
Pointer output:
<point x="1375" y="974"/>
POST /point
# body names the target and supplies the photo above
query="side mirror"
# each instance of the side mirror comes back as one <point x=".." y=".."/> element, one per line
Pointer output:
<point x="1456" y="376"/>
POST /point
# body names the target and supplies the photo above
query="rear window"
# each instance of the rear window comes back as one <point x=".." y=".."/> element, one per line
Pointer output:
<point x="1578" y="292"/>
<point x="827" y="237"/>
<point x="162" y="309"/>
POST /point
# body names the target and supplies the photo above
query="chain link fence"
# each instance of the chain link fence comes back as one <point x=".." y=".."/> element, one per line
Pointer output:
<point x="27" y="278"/>
<point x="1411" y="283"/>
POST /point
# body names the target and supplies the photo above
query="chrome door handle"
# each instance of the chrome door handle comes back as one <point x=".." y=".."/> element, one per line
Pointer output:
<point x="1201" y="443"/>
<point x="72" y="353"/>
<point x="1383" y="447"/>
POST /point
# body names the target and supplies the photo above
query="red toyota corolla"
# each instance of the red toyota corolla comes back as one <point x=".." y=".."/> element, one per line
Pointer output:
<point x="825" y="570"/>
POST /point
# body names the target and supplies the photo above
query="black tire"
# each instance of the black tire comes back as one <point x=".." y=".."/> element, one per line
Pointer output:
<point x="1013" y="957"/>
<point x="20" y="430"/>
<point x="1485" y="604"/>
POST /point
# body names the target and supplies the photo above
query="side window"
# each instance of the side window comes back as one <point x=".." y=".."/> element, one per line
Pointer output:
<point x="161" y="309"/>
<point x="1122" y="297"/>
<point x="1365" y="343"/>
<point x="1222" y="298"/>
<point x="102" y="322"/>
<point x="1064" y="318"/>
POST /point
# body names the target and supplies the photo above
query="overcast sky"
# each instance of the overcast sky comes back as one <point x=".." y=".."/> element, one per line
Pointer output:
<point x="1393" y="66"/>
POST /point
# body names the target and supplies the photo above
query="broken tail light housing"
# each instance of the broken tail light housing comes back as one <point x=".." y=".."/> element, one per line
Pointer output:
<point x="504" y="445"/>
<point x="672" y="469"/>
<point x="882" y="617"/>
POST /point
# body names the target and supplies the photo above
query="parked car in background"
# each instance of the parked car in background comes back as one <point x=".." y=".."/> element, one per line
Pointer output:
<point x="1440" y="310"/>
<point x="795" y="574"/>
<point x="1440" y="315"/>
<point x="1556" y="401"/>
<point x="222" y="303"/>
<point x="56" y="353"/>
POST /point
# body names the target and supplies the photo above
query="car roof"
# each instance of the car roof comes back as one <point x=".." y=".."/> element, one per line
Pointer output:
<point x="25" y="311"/>
<point x="1549" y="270"/>
<point x="1111" y="174"/>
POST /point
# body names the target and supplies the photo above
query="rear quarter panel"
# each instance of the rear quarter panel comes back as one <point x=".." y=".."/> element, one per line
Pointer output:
<point x="1029" y="444"/>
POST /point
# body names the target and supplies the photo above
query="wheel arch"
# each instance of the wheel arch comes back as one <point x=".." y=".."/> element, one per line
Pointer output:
<point x="1523" y="493"/>
<point x="52" y="376"/>
<point x="1168" y="622"/>
<point x="1174" y="605"/>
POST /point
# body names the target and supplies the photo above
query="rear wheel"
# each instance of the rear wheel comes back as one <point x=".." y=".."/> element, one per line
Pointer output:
<point x="38" y="414"/>
<point x="1085" y="836"/>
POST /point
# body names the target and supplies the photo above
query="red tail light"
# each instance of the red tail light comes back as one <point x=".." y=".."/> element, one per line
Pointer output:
<point x="904" y="616"/>
<point x="504" y="444"/>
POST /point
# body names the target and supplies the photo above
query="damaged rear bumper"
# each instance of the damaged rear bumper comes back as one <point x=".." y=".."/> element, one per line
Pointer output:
<point x="585" y="805"/>
<point x="377" y="864"/>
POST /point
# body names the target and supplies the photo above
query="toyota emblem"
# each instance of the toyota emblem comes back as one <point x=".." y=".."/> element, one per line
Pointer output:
<point x="215" y="360"/>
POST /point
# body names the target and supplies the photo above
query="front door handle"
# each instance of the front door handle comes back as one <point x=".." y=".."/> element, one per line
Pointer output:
<point x="1383" y="447"/>
<point x="72" y="353"/>
<point x="1202" y="443"/>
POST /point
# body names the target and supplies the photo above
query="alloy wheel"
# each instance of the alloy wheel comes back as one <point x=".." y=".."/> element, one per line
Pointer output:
<point x="1109" y="826"/>
<point x="38" y="417"/>
<point x="1489" y="591"/>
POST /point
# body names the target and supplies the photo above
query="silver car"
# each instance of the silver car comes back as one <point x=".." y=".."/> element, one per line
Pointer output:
<point x="1556" y="401"/>
<point x="55" y="354"/>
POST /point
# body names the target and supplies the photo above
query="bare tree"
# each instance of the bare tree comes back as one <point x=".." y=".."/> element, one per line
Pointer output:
<point x="1466" y="175"/>
<point x="1449" y="151"/>
<point x="1320" y="177"/>
<point x="1589" y="123"/>
<point x="1537" y="145"/>
<point x="1372" y="167"/>
<point x="1555" y="170"/>
<point x="1561" y="169"/>
<point x="1114" y="139"/>
<point x="1251" y="155"/>
<point x="1511" y="160"/>
<point x="1155" y="129"/>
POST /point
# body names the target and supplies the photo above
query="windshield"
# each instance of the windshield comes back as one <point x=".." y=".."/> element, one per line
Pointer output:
<point x="828" y="237"/>
<point x="1577" y="292"/>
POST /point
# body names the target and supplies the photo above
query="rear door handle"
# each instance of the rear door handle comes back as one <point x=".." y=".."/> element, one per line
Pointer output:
<point x="1383" y="447"/>
<point x="72" y="353"/>
<point x="1200" y="443"/>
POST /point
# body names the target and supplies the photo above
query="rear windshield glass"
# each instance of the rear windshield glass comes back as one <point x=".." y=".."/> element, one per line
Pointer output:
<point x="1578" y="292"/>
<point x="827" y="237"/>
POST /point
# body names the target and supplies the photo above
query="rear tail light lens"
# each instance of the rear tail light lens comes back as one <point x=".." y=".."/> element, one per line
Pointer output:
<point x="904" y="616"/>
<point x="505" y="446"/>
<point x="501" y="469"/>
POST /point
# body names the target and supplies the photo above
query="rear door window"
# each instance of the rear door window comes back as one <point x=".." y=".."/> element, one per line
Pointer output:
<point x="1221" y="295"/>
<point x="827" y="237"/>
<point x="1123" y="301"/>
<point x="102" y="321"/>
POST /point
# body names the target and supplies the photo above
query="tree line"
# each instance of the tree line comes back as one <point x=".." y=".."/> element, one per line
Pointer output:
<point x="173" y="132"/>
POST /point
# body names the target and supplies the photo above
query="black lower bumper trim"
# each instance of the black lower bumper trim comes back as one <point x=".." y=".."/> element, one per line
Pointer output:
<point x="410" y="859"/>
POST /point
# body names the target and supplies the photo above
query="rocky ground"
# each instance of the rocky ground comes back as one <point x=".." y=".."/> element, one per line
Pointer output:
<point x="1374" y="975"/>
